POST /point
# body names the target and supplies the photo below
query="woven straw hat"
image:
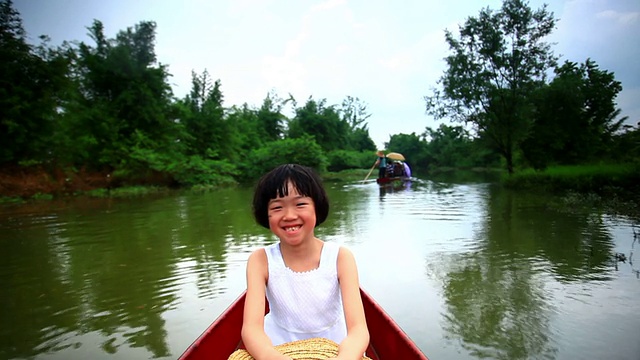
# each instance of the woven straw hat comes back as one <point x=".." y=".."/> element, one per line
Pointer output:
<point x="309" y="349"/>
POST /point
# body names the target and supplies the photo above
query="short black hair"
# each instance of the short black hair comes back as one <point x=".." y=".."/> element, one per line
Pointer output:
<point x="275" y="183"/>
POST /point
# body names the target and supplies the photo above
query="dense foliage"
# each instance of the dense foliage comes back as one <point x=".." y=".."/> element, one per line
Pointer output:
<point x="107" y="107"/>
<point x="496" y="81"/>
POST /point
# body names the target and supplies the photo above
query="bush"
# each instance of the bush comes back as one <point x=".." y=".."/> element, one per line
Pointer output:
<point x="303" y="151"/>
<point x="580" y="178"/>
<point x="347" y="159"/>
<point x="199" y="171"/>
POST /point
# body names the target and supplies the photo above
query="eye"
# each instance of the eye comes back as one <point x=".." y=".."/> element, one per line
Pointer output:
<point x="302" y="204"/>
<point x="275" y="208"/>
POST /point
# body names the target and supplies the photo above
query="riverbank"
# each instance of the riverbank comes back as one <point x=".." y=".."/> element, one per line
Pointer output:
<point x="37" y="181"/>
<point x="614" y="188"/>
<point x="19" y="184"/>
<point x="605" y="179"/>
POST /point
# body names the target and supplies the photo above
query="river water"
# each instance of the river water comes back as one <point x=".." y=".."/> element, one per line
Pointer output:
<point x="467" y="269"/>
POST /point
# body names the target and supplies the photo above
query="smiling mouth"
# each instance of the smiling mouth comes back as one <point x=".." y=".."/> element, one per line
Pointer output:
<point x="291" y="228"/>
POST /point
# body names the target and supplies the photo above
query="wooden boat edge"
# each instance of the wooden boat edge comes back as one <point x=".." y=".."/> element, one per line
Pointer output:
<point x="393" y="343"/>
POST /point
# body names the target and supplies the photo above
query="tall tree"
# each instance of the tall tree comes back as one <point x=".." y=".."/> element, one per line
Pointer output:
<point x="360" y="140"/>
<point x="412" y="146"/>
<point x="270" y="118"/>
<point x="245" y="125"/>
<point x="205" y="122"/>
<point x="354" y="112"/>
<point x="575" y="116"/>
<point x="499" y="59"/>
<point x="30" y="79"/>
<point x="323" y="123"/>
<point x="125" y="99"/>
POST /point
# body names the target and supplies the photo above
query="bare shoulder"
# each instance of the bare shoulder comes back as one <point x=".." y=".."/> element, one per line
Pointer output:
<point x="344" y="252"/>
<point x="257" y="262"/>
<point x="258" y="255"/>
<point x="346" y="260"/>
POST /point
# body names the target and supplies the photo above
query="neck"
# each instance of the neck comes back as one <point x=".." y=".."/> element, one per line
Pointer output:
<point x="303" y="257"/>
<point x="303" y="248"/>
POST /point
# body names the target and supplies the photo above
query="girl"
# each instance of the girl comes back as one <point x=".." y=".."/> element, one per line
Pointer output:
<point x="312" y="286"/>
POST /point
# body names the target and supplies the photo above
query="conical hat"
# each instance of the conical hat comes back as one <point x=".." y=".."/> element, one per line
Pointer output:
<point x="309" y="349"/>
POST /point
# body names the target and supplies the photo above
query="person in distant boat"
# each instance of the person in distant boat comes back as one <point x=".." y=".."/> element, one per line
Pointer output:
<point x="398" y="169"/>
<point x="381" y="163"/>
<point x="312" y="286"/>
<point x="407" y="169"/>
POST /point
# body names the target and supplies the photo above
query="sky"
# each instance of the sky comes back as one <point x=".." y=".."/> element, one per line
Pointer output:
<point x="389" y="54"/>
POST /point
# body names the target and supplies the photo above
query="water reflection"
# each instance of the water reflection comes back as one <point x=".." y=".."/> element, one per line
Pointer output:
<point x="467" y="269"/>
<point x="497" y="297"/>
<point x="394" y="187"/>
<point x="497" y="314"/>
<point x="634" y="268"/>
<point x="113" y="271"/>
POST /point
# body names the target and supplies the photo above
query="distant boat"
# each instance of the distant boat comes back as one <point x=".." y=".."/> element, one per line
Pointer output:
<point x="387" y="341"/>
<point x="397" y="169"/>
<point x="387" y="180"/>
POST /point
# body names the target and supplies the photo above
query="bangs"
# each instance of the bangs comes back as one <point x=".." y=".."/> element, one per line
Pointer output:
<point x="300" y="182"/>
<point x="276" y="184"/>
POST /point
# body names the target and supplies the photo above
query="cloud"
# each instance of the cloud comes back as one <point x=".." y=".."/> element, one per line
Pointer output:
<point x="388" y="55"/>
<point x="328" y="5"/>
<point x="286" y="72"/>
<point x="622" y="18"/>
<point x="628" y="102"/>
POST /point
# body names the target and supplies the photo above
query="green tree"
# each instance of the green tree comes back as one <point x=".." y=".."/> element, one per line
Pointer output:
<point x="498" y="60"/>
<point x="360" y="140"/>
<point x="244" y="124"/>
<point x="303" y="150"/>
<point x="354" y="112"/>
<point x="270" y="118"/>
<point x="453" y="146"/>
<point x="601" y="115"/>
<point x="124" y="102"/>
<point x="412" y="146"/>
<point x="30" y="79"/>
<point x="626" y="144"/>
<point x="447" y="144"/>
<point x="575" y="117"/>
<point x="322" y="123"/>
<point x="205" y="124"/>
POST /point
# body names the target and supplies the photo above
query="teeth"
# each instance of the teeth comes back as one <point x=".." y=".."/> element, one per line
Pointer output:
<point x="291" y="228"/>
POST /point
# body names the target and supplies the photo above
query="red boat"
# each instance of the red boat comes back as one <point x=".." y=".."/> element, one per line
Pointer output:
<point x="386" y="339"/>
<point x="387" y="180"/>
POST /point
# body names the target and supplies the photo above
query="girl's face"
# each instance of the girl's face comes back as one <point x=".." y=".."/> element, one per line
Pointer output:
<point x="292" y="218"/>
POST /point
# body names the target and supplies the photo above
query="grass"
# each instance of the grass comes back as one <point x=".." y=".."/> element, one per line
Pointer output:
<point x="347" y="175"/>
<point x="599" y="179"/>
<point x="11" y="200"/>
<point x="614" y="187"/>
<point x="125" y="192"/>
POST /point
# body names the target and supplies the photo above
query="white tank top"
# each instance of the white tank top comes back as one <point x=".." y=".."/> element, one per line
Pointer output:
<point x="304" y="305"/>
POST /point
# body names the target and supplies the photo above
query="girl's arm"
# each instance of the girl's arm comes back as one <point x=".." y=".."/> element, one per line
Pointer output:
<point x="254" y="338"/>
<point x="357" y="340"/>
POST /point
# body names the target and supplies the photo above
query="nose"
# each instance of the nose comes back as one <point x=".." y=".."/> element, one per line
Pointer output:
<point x="290" y="213"/>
